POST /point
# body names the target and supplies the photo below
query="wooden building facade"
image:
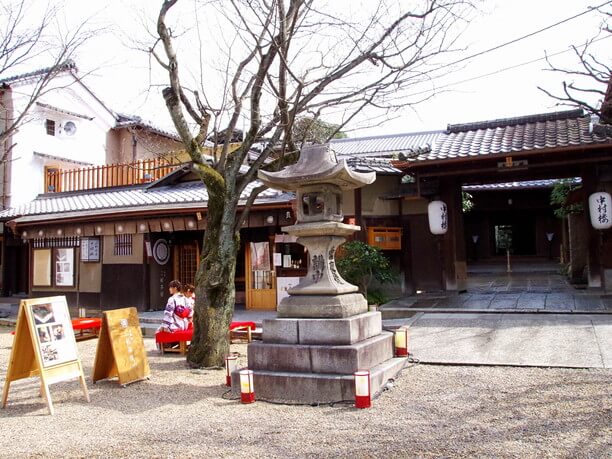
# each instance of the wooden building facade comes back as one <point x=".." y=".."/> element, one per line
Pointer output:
<point x="138" y="237"/>
<point x="107" y="247"/>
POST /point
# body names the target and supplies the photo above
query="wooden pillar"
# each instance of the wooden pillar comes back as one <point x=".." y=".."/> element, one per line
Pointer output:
<point x="589" y="185"/>
<point x="453" y="242"/>
<point x="360" y="235"/>
<point x="406" y="252"/>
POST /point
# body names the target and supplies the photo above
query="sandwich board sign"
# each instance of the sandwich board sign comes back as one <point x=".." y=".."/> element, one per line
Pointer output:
<point x="120" y="350"/>
<point x="44" y="346"/>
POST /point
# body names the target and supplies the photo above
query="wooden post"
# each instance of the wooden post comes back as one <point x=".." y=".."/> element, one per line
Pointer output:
<point x="453" y="256"/>
<point x="589" y="185"/>
<point x="508" y="267"/>
<point x="360" y="235"/>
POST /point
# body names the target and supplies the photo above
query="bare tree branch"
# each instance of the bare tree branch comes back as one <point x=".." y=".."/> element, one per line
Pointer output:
<point x="20" y="44"/>
<point x="286" y="60"/>
<point x="593" y="72"/>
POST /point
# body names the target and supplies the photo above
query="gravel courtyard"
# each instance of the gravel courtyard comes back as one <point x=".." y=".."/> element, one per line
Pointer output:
<point x="430" y="411"/>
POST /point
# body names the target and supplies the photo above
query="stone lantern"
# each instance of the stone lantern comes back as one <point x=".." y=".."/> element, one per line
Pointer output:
<point x="319" y="180"/>
<point x="323" y="333"/>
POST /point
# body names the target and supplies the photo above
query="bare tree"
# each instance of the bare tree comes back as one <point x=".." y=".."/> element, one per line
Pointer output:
<point x="595" y="75"/>
<point x="29" y="36"/>
<point x="285" y="59"/>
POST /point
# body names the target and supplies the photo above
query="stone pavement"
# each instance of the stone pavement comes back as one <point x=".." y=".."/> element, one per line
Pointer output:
<point x="549" y="340"/>
<point x="531" y="317"/>
<point x="536" y="291"/>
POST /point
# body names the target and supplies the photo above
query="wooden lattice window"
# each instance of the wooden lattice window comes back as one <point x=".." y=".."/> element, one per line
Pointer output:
<point x="187" y="263"/>
<point x="123" y="245"/>
<point x="50" y="127"/>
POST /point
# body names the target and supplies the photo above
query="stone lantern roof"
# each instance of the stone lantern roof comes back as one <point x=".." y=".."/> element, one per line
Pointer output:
<point x="317" y="165"/>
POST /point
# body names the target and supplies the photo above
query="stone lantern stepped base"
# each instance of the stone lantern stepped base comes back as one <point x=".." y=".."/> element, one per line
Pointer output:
<point x="322" y="331"/>
<point x="306" y="361"/>
<point x="313" y="388"/>
<point x="322" y="306"/>
<point x="344" y="359"/>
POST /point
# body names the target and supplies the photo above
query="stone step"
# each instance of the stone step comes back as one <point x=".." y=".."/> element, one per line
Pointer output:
<point x="316" y="388"/>
<point x="322" y="306"/>
<point x="148" y="329"/>
<point x="397" y="313"/>
<point x="322" y="331"/>
<point x="10" y="309"/>
<point x="337" y="359"/>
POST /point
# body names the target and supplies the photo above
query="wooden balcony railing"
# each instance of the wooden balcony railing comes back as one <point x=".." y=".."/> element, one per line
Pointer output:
<point x="108" y="175"/>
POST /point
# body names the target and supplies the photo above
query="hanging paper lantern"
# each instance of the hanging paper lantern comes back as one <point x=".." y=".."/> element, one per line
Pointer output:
<point x="600" y="208"/>
<point x="438" y="217"/>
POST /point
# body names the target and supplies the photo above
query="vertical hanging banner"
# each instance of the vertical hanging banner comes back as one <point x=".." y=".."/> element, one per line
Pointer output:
<point x="44" y="346"/>
<point x="120" y="352"/>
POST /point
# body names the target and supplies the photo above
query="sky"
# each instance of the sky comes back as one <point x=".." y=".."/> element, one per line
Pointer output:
<point x="120" y="75"/>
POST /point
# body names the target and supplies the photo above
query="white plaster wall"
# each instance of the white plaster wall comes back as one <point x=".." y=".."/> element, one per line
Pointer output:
<point x="371" y="203"/>
<point x="88" y="144"/>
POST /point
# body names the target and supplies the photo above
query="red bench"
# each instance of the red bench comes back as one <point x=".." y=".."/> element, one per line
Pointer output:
<point x="87" y="327"/>
<point x="167" y="340"/>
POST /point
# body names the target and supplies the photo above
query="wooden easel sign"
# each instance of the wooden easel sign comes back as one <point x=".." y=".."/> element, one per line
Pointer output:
<point x="44" y="346"/>
<point x="120" y="350"/>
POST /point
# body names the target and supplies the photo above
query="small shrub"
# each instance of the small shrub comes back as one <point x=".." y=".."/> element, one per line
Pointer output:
<point x="360" y="263"/>
<point x="558" y="198"/>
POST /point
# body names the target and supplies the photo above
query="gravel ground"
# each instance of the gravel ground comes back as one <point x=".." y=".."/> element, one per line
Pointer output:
<point x="430" y="411"/>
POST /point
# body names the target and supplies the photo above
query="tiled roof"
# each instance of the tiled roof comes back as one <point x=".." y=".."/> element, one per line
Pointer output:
<point x="528" y="184"/>
<point x="534" y="132"/>
<point x="385" y="145"/>
<point x="380" y="166"/>
<point x="128" y="120"/>
<point x="61" y="158"/>
<point x="63" y="110"/>
<point x="133" y="199"/>
<point x="68" y="65"/>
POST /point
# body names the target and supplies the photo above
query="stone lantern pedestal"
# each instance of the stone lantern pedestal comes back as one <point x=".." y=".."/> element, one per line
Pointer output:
<point x="323" y="333"/>
<point x="322" y="293"/>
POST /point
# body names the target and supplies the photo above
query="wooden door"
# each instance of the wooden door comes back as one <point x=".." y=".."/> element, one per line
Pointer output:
<point x="260" y="284"/>
<point x="426" y="255"/>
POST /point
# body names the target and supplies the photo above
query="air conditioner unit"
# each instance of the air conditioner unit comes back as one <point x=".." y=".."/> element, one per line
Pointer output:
<point x="68" y="128"/>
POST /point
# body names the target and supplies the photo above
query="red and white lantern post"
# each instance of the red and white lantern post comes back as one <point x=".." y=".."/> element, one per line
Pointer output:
<point x="401" y="342"/>
<point x="247" y="389"/>
<point x="363" y="397"/>
<point x="230" y="366"/>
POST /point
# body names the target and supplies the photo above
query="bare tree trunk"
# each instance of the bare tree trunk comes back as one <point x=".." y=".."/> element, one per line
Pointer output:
<point x="215" y="289"/>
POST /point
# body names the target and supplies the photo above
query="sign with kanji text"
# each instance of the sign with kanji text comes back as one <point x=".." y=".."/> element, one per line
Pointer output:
<point x="121" y="351"/>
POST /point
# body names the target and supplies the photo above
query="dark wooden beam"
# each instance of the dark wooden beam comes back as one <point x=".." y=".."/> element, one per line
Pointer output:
<point x="589" y="185"/>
